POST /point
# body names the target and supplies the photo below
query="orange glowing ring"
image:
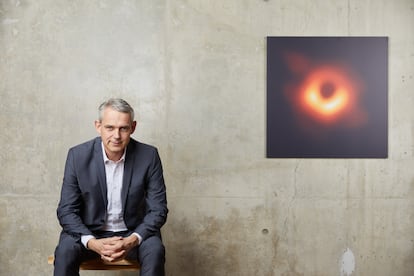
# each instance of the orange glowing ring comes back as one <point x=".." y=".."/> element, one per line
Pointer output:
<point x="327" y="93"/>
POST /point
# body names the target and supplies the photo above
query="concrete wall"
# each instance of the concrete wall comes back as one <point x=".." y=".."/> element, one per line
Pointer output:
<point x="195" y="72"/>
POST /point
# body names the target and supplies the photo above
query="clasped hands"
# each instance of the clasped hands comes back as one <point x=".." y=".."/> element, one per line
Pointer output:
<point x="113" y="249"/>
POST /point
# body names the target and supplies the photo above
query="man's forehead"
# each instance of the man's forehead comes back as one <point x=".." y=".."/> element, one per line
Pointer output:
<point x="112" y="114"/>
<point x="116" y="123"/>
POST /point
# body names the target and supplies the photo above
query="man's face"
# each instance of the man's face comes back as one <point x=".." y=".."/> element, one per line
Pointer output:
<point x="115" y="129"/>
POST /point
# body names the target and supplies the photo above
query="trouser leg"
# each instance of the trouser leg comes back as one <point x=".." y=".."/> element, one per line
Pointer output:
<point x="151" y="256"/>
<point x="70" y="253"/>
<point x="68" y="256"/>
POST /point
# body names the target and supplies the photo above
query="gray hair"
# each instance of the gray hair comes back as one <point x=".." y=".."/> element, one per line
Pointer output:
<point x="119" y="105"/>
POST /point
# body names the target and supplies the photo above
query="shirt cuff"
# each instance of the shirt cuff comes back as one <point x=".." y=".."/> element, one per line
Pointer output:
<point x="85" y="239"/>
<point x="139" y="237"/>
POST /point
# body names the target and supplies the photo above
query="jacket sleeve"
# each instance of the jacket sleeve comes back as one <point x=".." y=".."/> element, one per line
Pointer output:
<point x="70" y="205"/>
<point x="155" y="201"/>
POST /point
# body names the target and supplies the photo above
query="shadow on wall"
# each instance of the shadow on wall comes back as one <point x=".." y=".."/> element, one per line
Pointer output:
<point x="196" y="249"/>
<point x="218" y="246"/>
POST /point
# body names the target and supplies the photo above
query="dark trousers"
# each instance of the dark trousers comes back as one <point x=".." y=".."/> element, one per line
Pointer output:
<point x="70" y="252"/>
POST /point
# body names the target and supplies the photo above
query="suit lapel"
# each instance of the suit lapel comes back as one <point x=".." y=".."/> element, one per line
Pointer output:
<point x="100" y="166"/>
<point x="128" y="166"/>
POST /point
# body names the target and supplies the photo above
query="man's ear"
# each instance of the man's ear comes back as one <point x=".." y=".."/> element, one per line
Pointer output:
<point x="133" y="126"/>
<point x="98" y="125"/>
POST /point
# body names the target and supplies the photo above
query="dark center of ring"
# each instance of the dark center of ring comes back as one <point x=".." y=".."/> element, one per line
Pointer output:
<point x="327" y="89"/>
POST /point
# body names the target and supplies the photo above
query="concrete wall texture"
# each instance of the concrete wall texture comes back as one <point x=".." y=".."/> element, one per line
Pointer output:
<point x="195" y="72"/>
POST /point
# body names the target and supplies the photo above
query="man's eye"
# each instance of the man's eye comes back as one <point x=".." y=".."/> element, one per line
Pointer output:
<point x="124" y="129"/>
<point x="109" y="128"/>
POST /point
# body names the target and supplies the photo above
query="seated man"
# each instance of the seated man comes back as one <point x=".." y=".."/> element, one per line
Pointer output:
<point x="113" y="199"/>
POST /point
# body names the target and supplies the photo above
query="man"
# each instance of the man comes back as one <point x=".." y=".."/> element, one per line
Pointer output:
<point x="113" y="199"/>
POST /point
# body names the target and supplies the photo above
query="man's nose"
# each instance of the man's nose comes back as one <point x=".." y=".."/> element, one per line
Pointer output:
<point x="117" y="133"/>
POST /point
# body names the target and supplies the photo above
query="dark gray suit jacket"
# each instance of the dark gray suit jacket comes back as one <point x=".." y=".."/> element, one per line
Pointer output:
<point x="82" y="206"/>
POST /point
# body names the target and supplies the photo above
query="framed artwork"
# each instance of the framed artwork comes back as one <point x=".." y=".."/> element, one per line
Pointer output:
<point x="327" y="97"/>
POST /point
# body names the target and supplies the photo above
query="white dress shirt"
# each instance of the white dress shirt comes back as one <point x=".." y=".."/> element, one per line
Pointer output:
<point x="114" y="221"/>
<point x="114" y="174"/>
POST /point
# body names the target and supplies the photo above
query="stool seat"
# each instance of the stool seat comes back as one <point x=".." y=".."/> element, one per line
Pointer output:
<point x="99" y="264"/>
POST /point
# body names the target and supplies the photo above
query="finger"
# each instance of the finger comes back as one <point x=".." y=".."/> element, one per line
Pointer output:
<point x="112" y="247"/>
<point x="115" y="238"/>
<point x="111" y="239"/>
<point x="107" y="258"/>
<point x="118" y="255"/>
<point x="114" y="257"/>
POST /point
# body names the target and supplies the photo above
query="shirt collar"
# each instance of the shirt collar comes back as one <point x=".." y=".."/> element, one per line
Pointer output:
<point x="106" y="159"/>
